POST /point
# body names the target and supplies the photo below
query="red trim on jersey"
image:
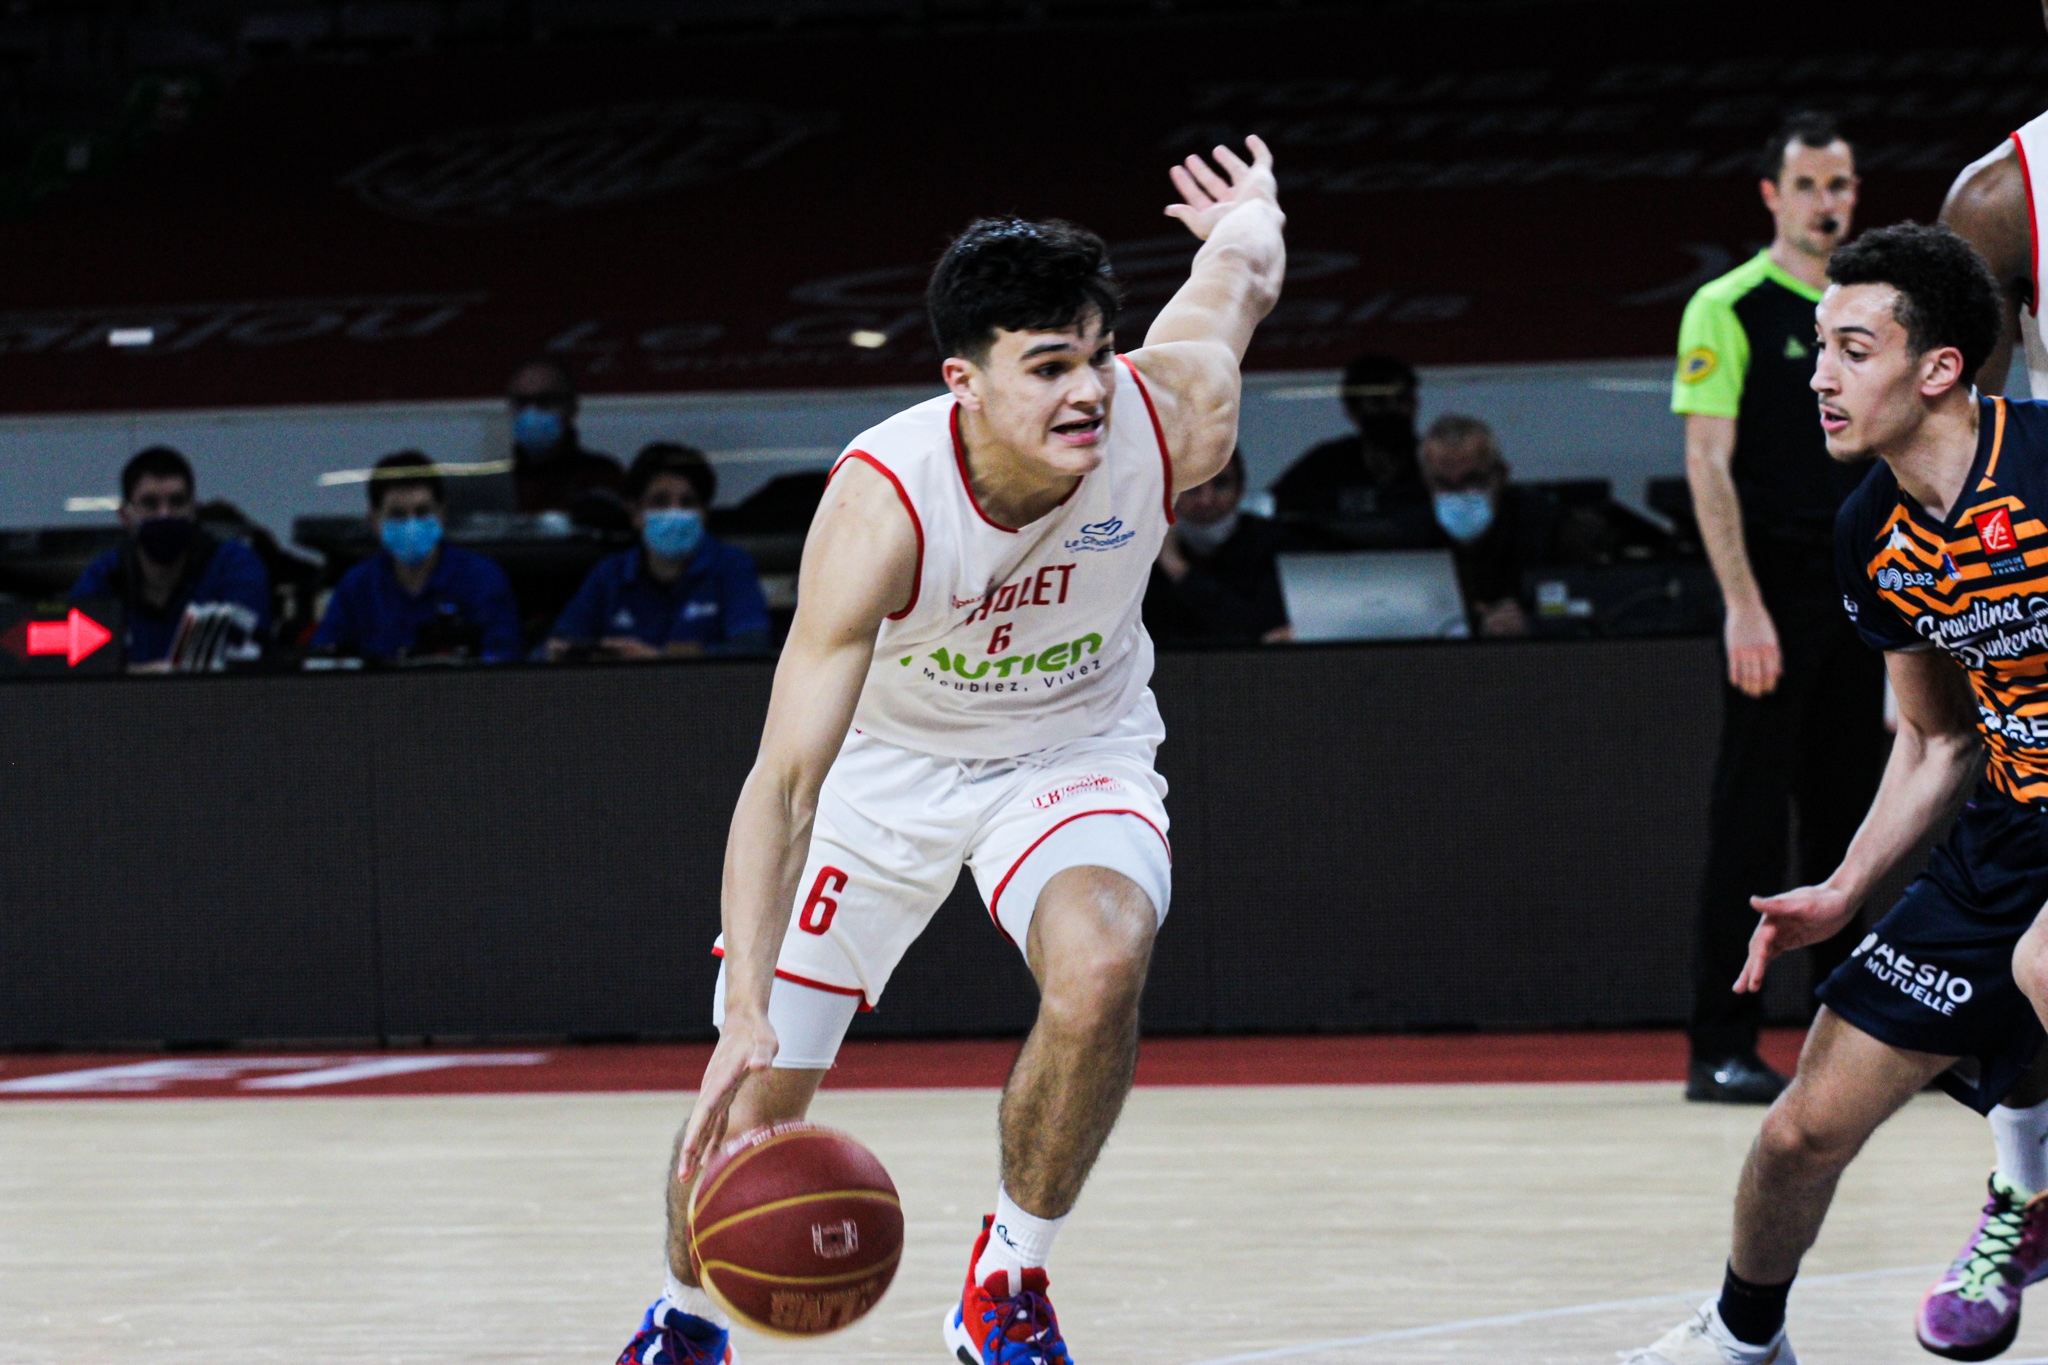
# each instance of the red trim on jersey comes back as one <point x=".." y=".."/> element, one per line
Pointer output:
<point x="997" y="899"/>
<point x="1165" y="459"/>
<point x="2033" y="227"/>
<point x="960" y="459"/>
<point x="829" y="989"/>
<point x="917" y="573"/>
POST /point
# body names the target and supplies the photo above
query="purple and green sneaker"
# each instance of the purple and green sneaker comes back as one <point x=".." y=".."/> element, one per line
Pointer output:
<point x="1974" y="1312"/>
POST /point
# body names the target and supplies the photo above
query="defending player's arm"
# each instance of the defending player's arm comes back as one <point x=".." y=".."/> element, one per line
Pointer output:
<point x="1194" y="347"/>
<point x="1935" y="757"/>
<point x="860" y="562"/>
<point x="1987" y="207"/>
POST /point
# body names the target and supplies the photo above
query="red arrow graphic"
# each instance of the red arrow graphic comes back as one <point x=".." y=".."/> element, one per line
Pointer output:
<point x="75" y="637"/>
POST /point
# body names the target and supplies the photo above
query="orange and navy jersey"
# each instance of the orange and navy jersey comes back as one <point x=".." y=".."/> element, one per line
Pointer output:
<point x="1973" y="584"/>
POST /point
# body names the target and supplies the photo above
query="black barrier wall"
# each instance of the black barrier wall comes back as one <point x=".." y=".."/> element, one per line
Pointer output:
<point x="1364" y="838"/>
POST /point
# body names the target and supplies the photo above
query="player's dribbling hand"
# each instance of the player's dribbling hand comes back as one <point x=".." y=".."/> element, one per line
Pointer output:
<point x="1809" y="914"/>
<point x="742" y="1050"/>
<point x="1207" y="197"/>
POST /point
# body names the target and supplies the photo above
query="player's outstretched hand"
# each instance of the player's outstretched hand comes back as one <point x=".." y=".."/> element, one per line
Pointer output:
<point x="742" y="1050"/>
<point x="1207" y="197"/>
<point x="1809" y="914"/>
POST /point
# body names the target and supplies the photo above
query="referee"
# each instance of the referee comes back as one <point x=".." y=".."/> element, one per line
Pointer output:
<point x="1802" y="734"/>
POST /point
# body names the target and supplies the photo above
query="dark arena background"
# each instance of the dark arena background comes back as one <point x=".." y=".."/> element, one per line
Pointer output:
<point x="410" y="945"/>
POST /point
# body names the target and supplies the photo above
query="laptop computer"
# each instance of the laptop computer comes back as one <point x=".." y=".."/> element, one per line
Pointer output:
<point x="1374" y="595"/>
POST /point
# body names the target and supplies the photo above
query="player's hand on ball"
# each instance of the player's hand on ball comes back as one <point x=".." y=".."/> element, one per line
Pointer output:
<point x="1207" y="197"/>
<point x="743" y="1049"/>
<point x="1809" y="914"/>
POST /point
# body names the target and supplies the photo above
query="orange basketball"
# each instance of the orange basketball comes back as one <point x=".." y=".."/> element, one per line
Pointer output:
<point x="795" y="1230"/>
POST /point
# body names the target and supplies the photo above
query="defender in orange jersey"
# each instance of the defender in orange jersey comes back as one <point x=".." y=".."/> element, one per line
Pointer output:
<point x="1994" y="206"/>
<point x="1943" y="557"/>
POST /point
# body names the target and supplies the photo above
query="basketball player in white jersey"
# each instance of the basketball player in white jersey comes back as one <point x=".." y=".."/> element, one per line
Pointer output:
<point x="966" y="683"/>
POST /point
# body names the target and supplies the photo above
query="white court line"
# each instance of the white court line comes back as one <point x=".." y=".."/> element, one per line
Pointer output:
<point x="1541" y="1315"/>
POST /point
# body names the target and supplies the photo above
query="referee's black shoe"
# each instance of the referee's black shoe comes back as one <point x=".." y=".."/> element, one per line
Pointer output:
<point x="1747" y="1079"/>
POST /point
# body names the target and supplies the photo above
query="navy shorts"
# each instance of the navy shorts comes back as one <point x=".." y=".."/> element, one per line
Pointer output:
<point x="1935" y="975"/>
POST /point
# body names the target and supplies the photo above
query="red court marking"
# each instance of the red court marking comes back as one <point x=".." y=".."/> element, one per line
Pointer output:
<point x="1471" y="1058"/>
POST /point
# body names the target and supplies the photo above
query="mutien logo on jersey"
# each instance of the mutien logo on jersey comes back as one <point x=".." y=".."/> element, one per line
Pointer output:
<point x="1048" y="668"/>
<point x="1994" y="531"/>
<point x="1102" y="535"/>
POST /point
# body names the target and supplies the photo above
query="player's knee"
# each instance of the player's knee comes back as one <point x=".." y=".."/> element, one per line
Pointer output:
<point x="1794" y="1138"/>
<point x="2030" y="965"/>
<point x="1094" y="961"/>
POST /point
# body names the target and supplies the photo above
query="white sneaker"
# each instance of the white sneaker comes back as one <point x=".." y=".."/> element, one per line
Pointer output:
<point x="1706" y="1340"/>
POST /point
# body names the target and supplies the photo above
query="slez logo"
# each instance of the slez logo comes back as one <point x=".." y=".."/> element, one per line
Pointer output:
<point x="1895" y="580"/>
<point x="1932" y="986"/>
<point x="1102" y="535"/>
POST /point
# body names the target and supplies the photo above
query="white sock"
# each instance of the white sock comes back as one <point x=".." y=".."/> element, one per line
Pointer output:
<point x="2022" y="1139"/>
<point x="1018" y="1241"/>
<point x="695" y="1302"/>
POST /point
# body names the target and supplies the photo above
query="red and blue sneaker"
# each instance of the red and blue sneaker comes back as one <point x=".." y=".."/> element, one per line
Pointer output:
<point x="1973" y="1313"/>
<point x="669" y="1336"/>
<point x="999" y="1323"/>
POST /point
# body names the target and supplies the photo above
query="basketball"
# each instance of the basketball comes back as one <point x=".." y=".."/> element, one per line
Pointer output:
<point x="795" y="1229"/>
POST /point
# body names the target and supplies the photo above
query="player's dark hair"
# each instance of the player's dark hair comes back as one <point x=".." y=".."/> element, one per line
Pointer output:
<point x="671" y="457"/>
<point x="1808" y="128"/>
<point x="156" y="462"/>
<point x="1947" y="296"/>
<point x="406" y="469"/>
<point x="1006" y="274"/>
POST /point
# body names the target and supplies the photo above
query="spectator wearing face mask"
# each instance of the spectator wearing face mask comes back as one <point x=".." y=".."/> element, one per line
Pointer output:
<point x="1479" y="518"/>
<point x="1217" y="580"/>
<point x="171" y="565"/>
<point x="1365" y="489"/>
<point x="681" y="591"/>
<point x="418" y="597"/>
<point x="551" y="471"/>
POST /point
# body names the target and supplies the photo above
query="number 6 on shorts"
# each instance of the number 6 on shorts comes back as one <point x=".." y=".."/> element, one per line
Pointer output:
<point x="819" y="908"/>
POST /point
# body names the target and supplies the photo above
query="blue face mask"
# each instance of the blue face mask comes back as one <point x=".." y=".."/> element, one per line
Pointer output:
<point x="536" y="428"/>
<point x="1464" y="516"/>
<point x="673" y="532"/>
<point x="412" y="541"/>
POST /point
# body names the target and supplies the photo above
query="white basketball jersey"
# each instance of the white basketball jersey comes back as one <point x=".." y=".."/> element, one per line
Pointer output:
<point x="2032" y="142"/>
<point x="1017" y="638"/>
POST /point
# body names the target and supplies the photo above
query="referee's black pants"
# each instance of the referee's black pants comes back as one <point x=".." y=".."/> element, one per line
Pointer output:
<point x="1817" y="744"/>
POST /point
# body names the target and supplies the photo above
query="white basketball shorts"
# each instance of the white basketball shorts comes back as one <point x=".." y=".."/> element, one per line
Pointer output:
<point x="894" y="827"/>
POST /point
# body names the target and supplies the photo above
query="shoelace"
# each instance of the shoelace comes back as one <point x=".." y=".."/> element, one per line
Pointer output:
<point x="1042" y="1345"/>
<point x="1988" y="1265"/>
<point x="687" y="1350"/>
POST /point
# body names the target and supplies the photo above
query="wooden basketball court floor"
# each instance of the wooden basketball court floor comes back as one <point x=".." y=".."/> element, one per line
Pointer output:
<point x="378" y="1217"/>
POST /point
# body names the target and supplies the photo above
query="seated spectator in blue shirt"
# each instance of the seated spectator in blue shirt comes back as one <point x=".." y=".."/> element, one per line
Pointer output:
<point x="679" y="592"/>
<point x="170" y="566"/>
<point x="418" y="598"/>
